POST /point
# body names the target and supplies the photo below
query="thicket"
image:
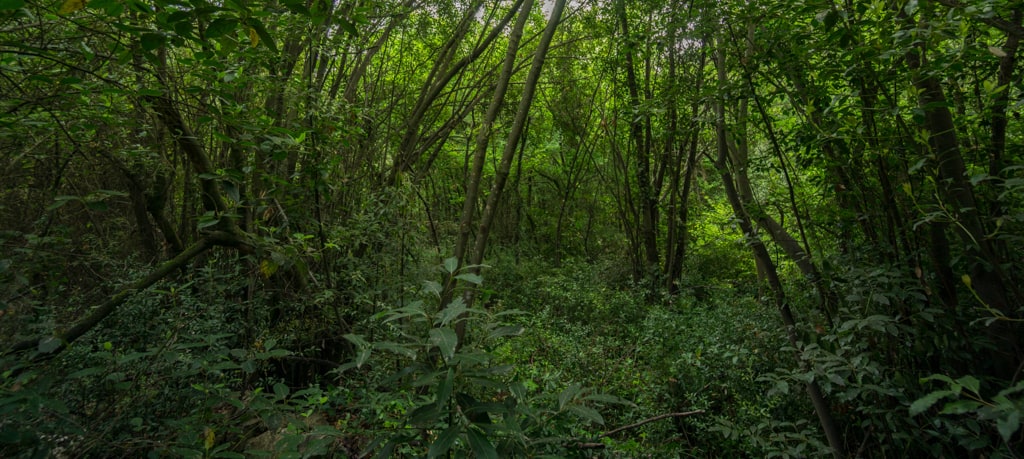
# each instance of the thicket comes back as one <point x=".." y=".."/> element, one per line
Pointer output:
<point x="510" y="229"/>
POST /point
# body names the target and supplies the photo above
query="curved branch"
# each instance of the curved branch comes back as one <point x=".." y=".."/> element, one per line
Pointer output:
<point x="103" y="311"/>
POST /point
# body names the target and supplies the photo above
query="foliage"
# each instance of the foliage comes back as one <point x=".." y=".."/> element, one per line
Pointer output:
<point x="221" y="225"/>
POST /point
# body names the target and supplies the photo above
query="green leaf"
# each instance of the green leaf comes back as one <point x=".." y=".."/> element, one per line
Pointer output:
<point x="444" y="389"/>
<point x="395" y="348"/>
<point x="482" y="448"/>
<point x="362" y="357"/>
<point x="151" y="41"/>
<point x="6" y="5"/>
<point x="414" y="309"/>
<point x="281" y="390"/>
<point x="607" y="398"/>
<point x="59" y="202"/>
<point x="1008" y="426"/>
<point x="445" y="340"/>
<point x="444" y="441"/>
<point x="960" y="407"/>
<point x="297" y="7"/>
<point x="507" y="330"/>
<point x="923" y="403"/>
<point x="432" y="287"/>
<point x="518" y="391"/>
<point x="85" y="372"/>
<point x="260" y="30"/>
<point x="587" y="413"/>
<point x="206" y="221"/>
<point x="568" y="395"/>
<point x="231" y="190"/>
<point x="348" y="27"/>
<point x="357" y="340"/>
<point x="221" y="26"/>
<point x="426" y="415"/>
<point x="971" y="383"/>
<point x="451" y="264"/>
<point x="455" y="309"/>
<point x="471" y="278"/>
<point x="50" y="344"/>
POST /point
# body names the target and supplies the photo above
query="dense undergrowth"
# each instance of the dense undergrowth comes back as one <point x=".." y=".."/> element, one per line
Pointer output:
<point x="557" y="360"/>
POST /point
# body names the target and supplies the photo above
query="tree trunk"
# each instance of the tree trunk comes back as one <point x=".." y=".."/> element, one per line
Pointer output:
<point x="762" y="256"/>
<point x="507" y="154"/>
<point x="480" y="151"/>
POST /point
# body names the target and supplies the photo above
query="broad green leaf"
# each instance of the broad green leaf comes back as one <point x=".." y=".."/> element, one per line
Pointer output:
<point x="507" y="330"/>
<point x="444" y="389"/>
<point x="281" y="390"/>
<point x="395" y="348"/>
<point x="432" y="287"/>
<point x="110" y="7"/>
<point x="6" y="5"/>
<point x="937" y="377"/>
<point x="923" y="403"/>
<point x="568" y="395"/>
<point x="426" y="415"/>
<point x="971" y="383"/>
<point x="414" y="309"/>
<point x="607" y="398"/>
<point x="444" y="441"/>
<point x="471" y="278"/>
<point x="348" y="27"/>
<point x="518" y="391"/>
<point x="221" y="26"/>
<point x="1009" y="425"/>
<point x="451" y="264"/>
<point x="231" y="190"/>
<point x="50" y="344"/>
<point x="960" y="407"/>
<point x="59" y="202"/>
<point x="445" y="340"/>
<point x="206" y="221"/>
<point x="151" y="41"/>
<point x="481" y="446"/>
<point x="257" y="28"/>
<point x="587" y="413"/>
<point x="358" y="340"/>
<point x="363" y="356"/>
<point x="297" y="7"/>
<point x="455" y="309"/>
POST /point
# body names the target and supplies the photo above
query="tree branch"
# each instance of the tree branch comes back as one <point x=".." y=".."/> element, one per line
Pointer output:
<point x="108" y="307"/>
<point x="594" y="445"/>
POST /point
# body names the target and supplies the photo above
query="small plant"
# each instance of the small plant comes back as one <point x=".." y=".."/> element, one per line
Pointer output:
<point x="968" y="417"/>
<point x="452" y="396"/>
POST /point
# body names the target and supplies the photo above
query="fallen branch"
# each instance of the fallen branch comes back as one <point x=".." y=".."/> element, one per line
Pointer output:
<point x="61" y="341"/>
<point x="594" y="445"/>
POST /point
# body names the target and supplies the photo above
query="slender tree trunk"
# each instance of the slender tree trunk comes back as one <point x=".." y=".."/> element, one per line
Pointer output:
<point x="954" y="187"/>
<point x="648" y="202"/>
<point x="511" y="144"/>
<point x="480" y="152"/>
<point x="761" y="254"/>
